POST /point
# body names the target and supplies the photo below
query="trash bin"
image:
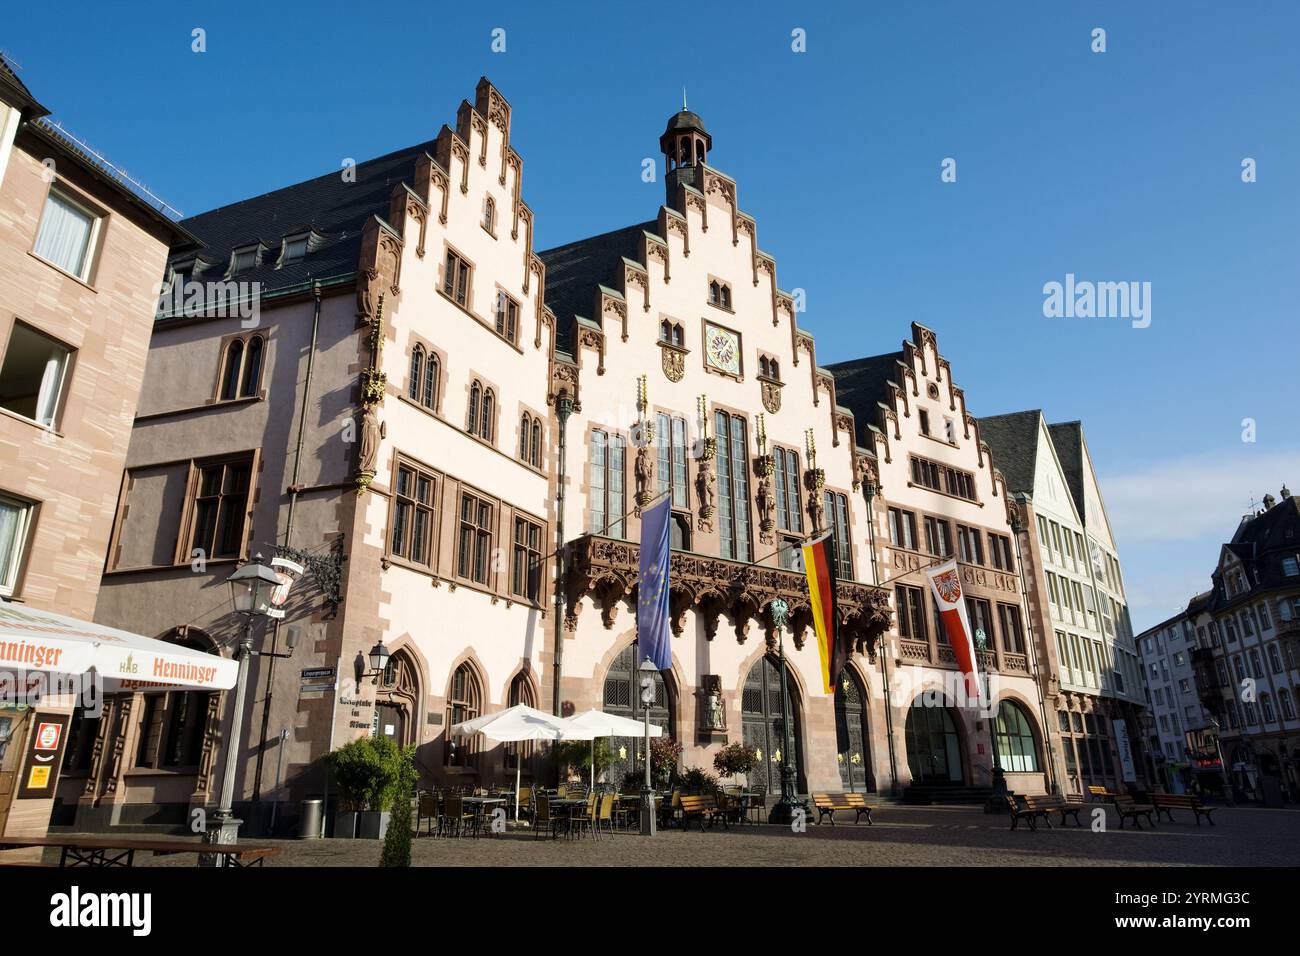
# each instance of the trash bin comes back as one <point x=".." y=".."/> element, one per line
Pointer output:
<point x="309" y="819"/>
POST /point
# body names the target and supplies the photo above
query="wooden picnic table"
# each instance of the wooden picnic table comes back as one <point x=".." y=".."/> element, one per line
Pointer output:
<point x="120" y="851"/>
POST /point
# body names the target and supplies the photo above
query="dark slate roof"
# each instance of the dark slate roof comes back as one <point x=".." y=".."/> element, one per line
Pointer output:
<point x="1013" y="439"/>
<point x="573" y="271"/>
<point x="1068" y="439"/>
<point x="685" y="119"/>
<point x="1199" y="603"/>
<point x="335" y="210"/>
<point x="860" y="387"/>
<point x="1261" y="542"/>
<point x="13" y="89"/>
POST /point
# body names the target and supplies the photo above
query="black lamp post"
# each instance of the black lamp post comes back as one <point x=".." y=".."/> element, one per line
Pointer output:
<point x="378" y="659"/>
<point x="251" y="587"/>
<point x="783" y="812"/>
<point x="648" y="671"/>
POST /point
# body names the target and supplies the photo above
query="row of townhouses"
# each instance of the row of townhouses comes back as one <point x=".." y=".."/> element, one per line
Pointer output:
<point x="1223" y="674"/>
<point x="375" y="374"/>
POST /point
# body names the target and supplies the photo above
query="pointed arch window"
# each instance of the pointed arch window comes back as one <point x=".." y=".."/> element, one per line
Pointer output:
<point x="482" y="408"/>
<point x="241" y="369"/>
<point x="423" y="384"/>
<point x="464" y="702"/>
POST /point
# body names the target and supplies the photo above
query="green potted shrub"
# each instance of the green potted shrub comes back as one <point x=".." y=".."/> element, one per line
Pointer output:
<point x="695" y="780"/>
<point x="577" y="755"/>
<point x="733" y="760"/>
<point x="368" y="774"/>
<point x="397" y="840"/>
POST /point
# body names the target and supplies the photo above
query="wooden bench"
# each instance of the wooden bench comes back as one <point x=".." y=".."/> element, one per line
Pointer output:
<point x="827" y="803"/>
<point x="106" y="851"/>
<point x="701" y="806"/>
<point x="1021" y="810"/>
<point x="1128" y="808"/>
<point x="1165" y="802"/>
<point x="1045" y="804"/>
<point x="1099" y="793"/>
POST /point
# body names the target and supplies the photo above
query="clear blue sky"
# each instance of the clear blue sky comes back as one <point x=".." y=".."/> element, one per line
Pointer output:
<point x="1124" y="165"/>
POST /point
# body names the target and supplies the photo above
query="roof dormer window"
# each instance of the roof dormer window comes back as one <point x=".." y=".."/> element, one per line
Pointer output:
<point x="294" y="249"/>
<point x="243" y="260"/>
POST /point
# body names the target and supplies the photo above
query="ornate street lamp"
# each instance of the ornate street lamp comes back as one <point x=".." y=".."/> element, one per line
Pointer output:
<point x="251" y="587"/>
<point x="648" y="671"/>
<point x="378" y="659"/>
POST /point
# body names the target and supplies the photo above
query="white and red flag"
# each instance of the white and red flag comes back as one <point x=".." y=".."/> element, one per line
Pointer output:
<point x="945" y="585"/>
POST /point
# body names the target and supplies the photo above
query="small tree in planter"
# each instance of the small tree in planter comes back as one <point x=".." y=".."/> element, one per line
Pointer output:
<point x="397" y="841"/>
<point x="733" y="760"/>
<point x="369" y="773"/>
<point x="664" y="756"/>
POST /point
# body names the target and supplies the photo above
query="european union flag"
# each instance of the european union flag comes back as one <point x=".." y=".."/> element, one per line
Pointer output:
<point x="652" y="601"/>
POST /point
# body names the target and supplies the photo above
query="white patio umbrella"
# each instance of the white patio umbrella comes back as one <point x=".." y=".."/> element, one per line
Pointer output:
<point x="512" y="725"/>
<point x="591" y="724"/>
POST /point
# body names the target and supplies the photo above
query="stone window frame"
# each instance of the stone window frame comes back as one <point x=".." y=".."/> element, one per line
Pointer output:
<point x="189" y="514"/>
<point x="726" y="300"/>
<point x="258" y="392"/>
<point x="95" y="247"/>
<point x="535" y="419"/>
<point x="493" y="530"/>
<point x="23" y="549"/>
<point x="468" y="305"/>
<point x="434" y="533"/>
<point x="504" y="332"/>
<point x="629" y="493"/>
<point x="765" y="371"/>
<point x="440" y="389"/>
<point x="488" y="389"/>
<point x="65" y="386"/>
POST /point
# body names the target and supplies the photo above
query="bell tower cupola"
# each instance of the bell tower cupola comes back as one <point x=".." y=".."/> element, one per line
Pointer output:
<point x="685" y="144"/>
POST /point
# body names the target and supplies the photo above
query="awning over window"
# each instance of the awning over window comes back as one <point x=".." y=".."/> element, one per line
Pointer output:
<point x="32" y="640"/>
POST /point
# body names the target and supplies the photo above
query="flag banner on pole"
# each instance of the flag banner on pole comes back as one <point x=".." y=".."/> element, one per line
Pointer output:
<point x="652" y="598"/>
<point x="945" y="585"/>
<point x="819" y="566"/>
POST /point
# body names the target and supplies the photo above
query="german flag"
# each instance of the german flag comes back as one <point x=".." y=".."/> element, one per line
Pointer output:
<point x="819" y="566"/>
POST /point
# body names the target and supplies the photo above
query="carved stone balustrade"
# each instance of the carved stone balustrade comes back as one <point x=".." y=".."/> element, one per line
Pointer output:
<point x="606" y="569"/>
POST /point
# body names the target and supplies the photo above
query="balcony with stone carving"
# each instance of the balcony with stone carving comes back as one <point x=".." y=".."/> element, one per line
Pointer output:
<point x="606" y="570"/>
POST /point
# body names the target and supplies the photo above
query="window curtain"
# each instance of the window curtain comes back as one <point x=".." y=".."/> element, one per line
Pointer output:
<point x="64" y="235"/>
<point x="47" y="400"/>
<point x="11" y="522"/>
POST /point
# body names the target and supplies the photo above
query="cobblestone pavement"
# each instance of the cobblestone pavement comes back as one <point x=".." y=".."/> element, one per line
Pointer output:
<point x="901" y="836"/>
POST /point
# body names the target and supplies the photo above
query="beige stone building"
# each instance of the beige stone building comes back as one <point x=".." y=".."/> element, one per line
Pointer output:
<point x="939" y="495"/>
<point x="1076" y="600"/>
<point x="390" y="413"/>
<point x="81" y="250"/>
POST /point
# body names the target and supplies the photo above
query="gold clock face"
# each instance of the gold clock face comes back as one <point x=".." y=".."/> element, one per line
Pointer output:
<point x="722" y="349"/>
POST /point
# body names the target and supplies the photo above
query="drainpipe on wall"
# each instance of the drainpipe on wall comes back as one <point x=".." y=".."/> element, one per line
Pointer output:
<point x="294" y="489"/>
<point x="563" y="408"/>
<point x="1018" y="528"/>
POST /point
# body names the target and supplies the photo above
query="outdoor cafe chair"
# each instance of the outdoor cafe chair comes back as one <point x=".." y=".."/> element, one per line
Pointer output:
<point x="456" y="819"/>
<point x="426" y="809"/>
<point x="542" y="819"/>
<point x="606" y="817"/>
<point x="585" y="818"/>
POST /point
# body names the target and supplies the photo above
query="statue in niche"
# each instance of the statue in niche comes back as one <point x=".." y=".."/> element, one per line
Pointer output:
<point x="643" y="474"/>
<point x="715" y="717"/>
<point x="372" y="431"/>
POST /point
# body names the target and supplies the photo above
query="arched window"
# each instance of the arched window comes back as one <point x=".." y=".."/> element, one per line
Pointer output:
<point x="1266" y="702"/>
<point x="173" y="725"/>
<point x="679" y="337"/>
<point x="665" y="331"/>
<point x="417" y="372"/>
<point x="521" y="692"/>
<point x="485" y="427"/>
<point x="489" y="214"/>
<point x="1013" y="739"/>
<point x="775" y="368"/>
<point x="431" y="371"/>
<point x="525" y="436"/>
<point x="464" y="702"/>
<point x="764" y="368"/>
<point x="1284" y="698"/>
<point x="475" y="410"/>
<point x="252" y="368"/>
<point x="234" y="360"/>
<point x="622" y="696"/>
<point x="715" y="293"/>
<point x="699" y="150"/>
<point x="684" y="150"/>
<point x="537" y="444"/>
<point x="726" y="297"/>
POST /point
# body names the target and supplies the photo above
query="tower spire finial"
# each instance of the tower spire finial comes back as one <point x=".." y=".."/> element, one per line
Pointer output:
<point x="683" y="99"/>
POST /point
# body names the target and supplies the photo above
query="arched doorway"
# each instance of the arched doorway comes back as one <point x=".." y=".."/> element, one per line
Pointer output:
<point x="395" y="700"/>
<point x="933" y="745"/>
<point x="852" y="739"/>
<point x="464" y="702"/>
<point x="622" y="696"/>
<point x="763" y="725"/>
